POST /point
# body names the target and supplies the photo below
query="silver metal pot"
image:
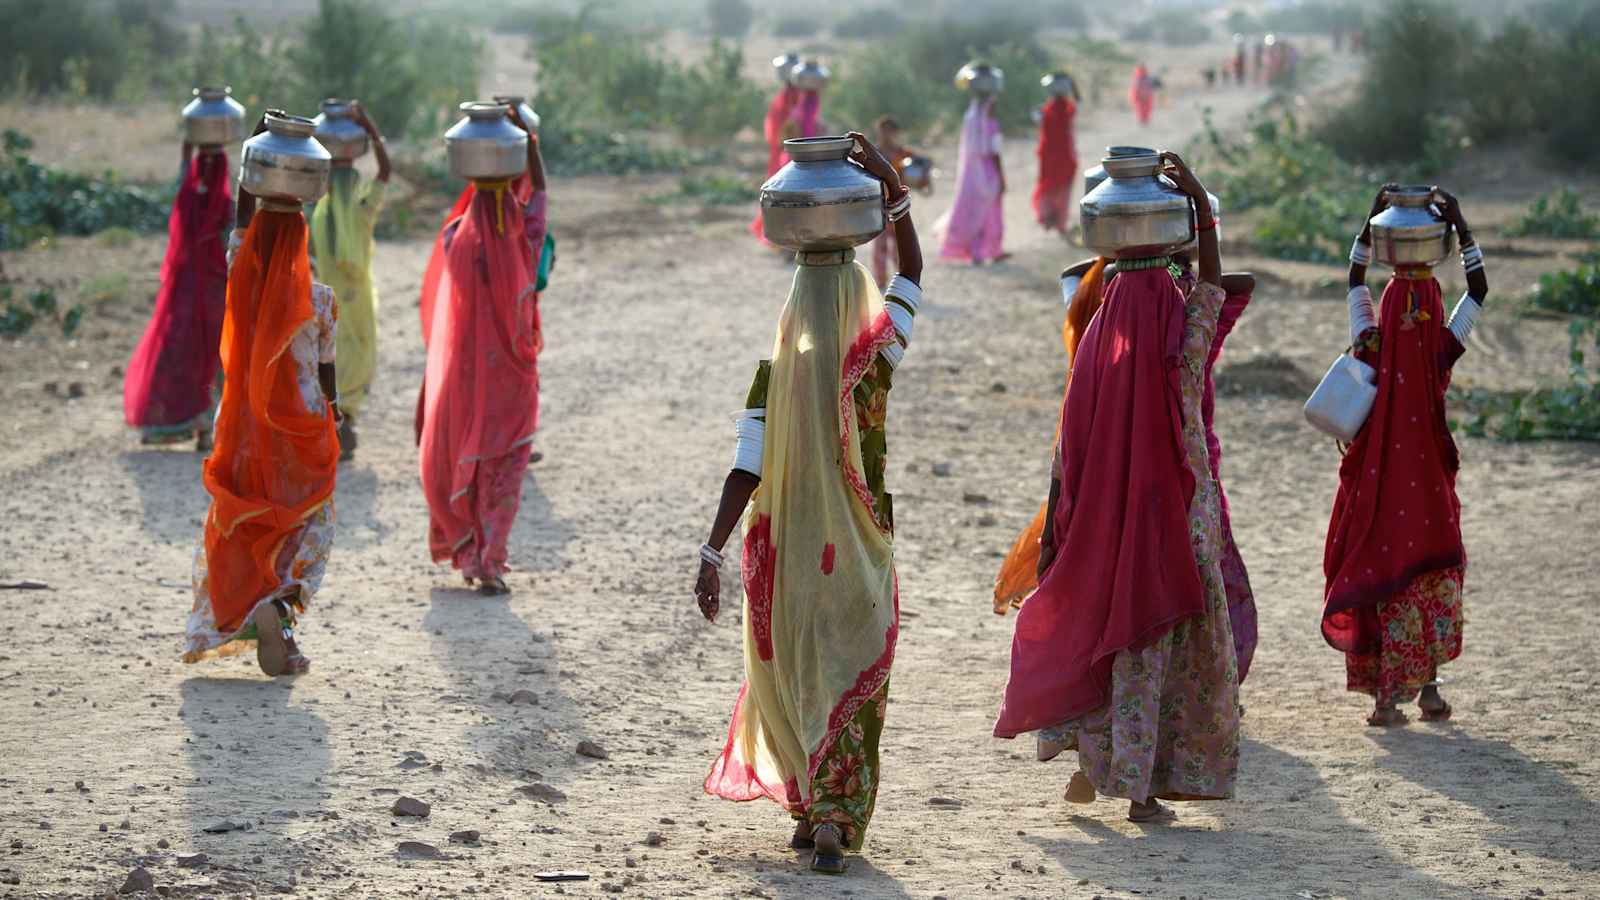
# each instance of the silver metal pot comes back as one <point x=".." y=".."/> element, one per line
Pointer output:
<point x="809" y="75"/>
<point x="981" y="78"/>
<point x="485" y="144"/>
<point x="1409" y="233"/>
<point x="339" y="132"/>
<point x="821" y="200"/>
<point x="917" y="173"/>
<point x="1059" y="84"/>
<point x="213" y="117"/>
<point x="1093" y="177"/>
<point x="522" y="106"/>
<point x="784" y="66"/>
<point x="285" y="162"/>
<point x="1136" y="213"/>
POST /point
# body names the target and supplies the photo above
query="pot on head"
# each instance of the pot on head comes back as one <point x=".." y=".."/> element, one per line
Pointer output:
<point x="784" y="65"/>
<point x="339" y="132"/>
<point x="1093" y="177"/>
<point x="1059" y="84"/>
<point x="285" y="162"/>
<point x="981" y="78"/>
<point x="523" y="108"/>
<point x="213" y="117"/>
<point x="809" y="75"/>
<point x="484" y="144"/>
<point x="820" y="200"/>
<point x="1135" y="212"/>
<point x="1409" y="232"/>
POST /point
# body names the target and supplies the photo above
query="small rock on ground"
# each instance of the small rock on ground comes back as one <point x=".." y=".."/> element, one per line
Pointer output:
<point x="592" y="750"/>
<point x="138" y="880"/>
<point x="411" y="806"/>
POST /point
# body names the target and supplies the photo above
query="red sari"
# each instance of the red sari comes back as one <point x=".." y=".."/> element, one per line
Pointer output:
<point x="1058" y="164"/>
<point x="1394" y="560"/>
<point x="168" y="386"/>
<point x="1142" y="94"/>
<point x="779" y="112"/>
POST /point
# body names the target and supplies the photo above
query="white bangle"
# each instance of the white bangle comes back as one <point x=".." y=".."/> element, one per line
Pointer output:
<point x="1361" y="253"/>
<point x="899" y="209"/>
<point x="750" y="430"/>
<point x="1361" y="312"/>
<point x="1464" y="317"/>
<point x="1471" y="258"/>
<point x="905" y="290"/>
<point x="711" y="555"/>
<point x="902" y="317"/>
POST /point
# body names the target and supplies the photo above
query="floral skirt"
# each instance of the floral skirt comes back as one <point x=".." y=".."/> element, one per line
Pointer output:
<point x="1421" y="631"/>
<point x="846" y="786"/>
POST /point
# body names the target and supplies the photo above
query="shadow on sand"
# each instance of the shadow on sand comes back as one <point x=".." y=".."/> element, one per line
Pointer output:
<point x="172" y="498"/>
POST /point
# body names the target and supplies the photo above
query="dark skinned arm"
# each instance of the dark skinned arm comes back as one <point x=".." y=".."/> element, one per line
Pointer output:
<point x="1478" y="281"/>
<point x="1047" y="537"/>
<point x="1210" y="262"/>
<point x="535" y="158"/>
<point x="1358" y="272"/>
<point x="736" y="491"/>
<point x="380" y="152"/>
<point x="870" y="158"/>
<point x="1236" y="284"/>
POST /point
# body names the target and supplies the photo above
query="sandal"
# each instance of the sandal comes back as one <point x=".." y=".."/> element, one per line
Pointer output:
<point x="493" y="586"/>
<point x="801" y="839"/>
<point x="828" y="857"/>
<point x="1151" y="810"/>
<point x="1079" y="789"/>
<point x="1387" y="717"/>
<point x="273" y="633"/>
<point x="202" y="441"/>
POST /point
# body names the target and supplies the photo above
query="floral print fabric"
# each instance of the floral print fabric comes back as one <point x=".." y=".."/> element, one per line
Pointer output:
<point x="846" y="788"/>
<point x="1171" y="727"/>
<point x="1421" y="630"/>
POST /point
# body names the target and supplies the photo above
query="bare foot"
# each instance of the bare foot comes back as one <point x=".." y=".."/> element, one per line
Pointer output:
<point x="1433" y="706"/>
<point x="1386" y="717"/>
<point x="1079" y="789"/>
<point x="1149" y="811"/>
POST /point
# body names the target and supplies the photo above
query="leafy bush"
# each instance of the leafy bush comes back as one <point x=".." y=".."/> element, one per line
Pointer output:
<point x="729" y="18"/>
<point x="1577" y="291"/>
<point x="1569" y="412"/>
<point x="710" y="190"/>
<point x="864" y="24"/>
<point x="711" y="99"/>
<point x="579" y="150"/>
<point x="17" y="317"/>
<point x="37" y="201"/>
<point x="1558" y="215"/>
<point x="801" y="26"/>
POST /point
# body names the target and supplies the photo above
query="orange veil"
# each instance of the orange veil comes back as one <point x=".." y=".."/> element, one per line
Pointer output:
<point x="1018" y="575"/>
<point x="274" y="462"/>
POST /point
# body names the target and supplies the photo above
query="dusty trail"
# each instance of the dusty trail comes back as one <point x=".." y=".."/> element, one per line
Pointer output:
<point x="653" y="326"/>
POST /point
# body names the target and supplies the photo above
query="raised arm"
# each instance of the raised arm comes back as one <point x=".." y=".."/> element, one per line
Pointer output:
<point x="897" y="199"/>
<point x="535" y="158"/>
<point x="1363" y="318"/>
<point x="1210" y="261"/>
<point x="380" y="151"/>
<point x="1465" y="315"/>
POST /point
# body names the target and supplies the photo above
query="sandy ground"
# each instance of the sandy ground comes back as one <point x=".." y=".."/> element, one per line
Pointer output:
<point x="117" y="755"/>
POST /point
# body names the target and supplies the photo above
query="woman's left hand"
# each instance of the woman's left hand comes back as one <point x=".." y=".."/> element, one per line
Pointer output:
<point x="869" y="157"/>
<point x="1450" y="208"/>
<point x="708" y="591"/>
<point x="1176" y="169"/>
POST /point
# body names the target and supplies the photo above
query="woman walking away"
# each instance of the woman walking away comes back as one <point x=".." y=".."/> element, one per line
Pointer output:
<point x="883" y="246"/>
<point x="1081" y="287"/>
<point x="1394" y="562"/>
<point x="1142" y="93"/>
<point x="779" y="124"/>
<point x="169" y="389"/>
<point x="479" y="403"/>
<point x="271" y="476"/>
<point x="974" y="228"/>
<point x="821" y="597"/>
<point x="1125" y="653"/>
<point x="341" y="245"/>
<point x="1058" y="160"/>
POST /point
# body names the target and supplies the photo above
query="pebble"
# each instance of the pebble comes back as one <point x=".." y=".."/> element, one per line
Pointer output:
<point x="974" y="497"/>
<point x="943" y="801"/>
<point x="630" y="862"/>
<point x="464" y="837"/>
<point x="654" y="839"/>
<point x="418" y="848"/>
<point x="16" y="844"/>
<point x="523" y="697"/>
<point x="163" y="843"/>
<point x="192" y="862"/>
<point x="224" y="827"/>
<point x="104" y="827"/>
<point x="592" y="750"/>
<point x="138" y="880"/>
<point x="997" y="388"/>
<point x="541" y="791"/>
<point x="411" y="806"/>
<point x="942" y="470"/>
<point x="415" y="759"/>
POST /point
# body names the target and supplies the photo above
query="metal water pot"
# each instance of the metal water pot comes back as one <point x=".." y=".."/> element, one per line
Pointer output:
<point x="809" y="75"/>
<point x="981" y="78"/>
<point x="784" y="66"/>
<point x="1058" y="84"/>
<point x="1093" y="177"/>
<point x="485" y="145"/>
<point x="1135" y="212"/>
<point x="1409" y="233"/>
<point x="523" y="108"/>
<point x="916" y="172"/>
<point x="213" y="117"/>
<point x="821" y="200"/>
<point x="339" y="132"/>
<point x="285" y="162"/>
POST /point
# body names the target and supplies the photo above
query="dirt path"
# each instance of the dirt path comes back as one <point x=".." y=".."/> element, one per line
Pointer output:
<point x="117" y="755"/>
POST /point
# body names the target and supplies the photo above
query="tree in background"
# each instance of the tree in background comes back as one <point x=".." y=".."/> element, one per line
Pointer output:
<point x="729" y="18"/>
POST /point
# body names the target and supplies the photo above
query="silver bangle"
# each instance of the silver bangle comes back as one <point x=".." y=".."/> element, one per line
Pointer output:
<point x="1360" y="253"/>
<point x="711" y="555"/>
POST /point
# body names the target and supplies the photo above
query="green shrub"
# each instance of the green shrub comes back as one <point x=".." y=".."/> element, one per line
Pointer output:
<point x="801" y="26"/>
<point x="1566" y="412"/>
<point x="37" y="201"/>
<point x="711" y="99"/>
<point x="729" y="18"/>
<point x="1558" y="215"/>
<point x="84" y="47"/>
<point x="864" y="24"/>
<point x="1577" y="291"/>
<point x="18" y="317"/>
<point x="710" y="190"/>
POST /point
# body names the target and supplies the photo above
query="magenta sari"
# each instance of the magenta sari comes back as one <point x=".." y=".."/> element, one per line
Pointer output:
<point x="168" y="386"/>
<point x="975" y="225"/>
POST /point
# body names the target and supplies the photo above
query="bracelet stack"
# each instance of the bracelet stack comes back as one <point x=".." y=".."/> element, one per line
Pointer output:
<point x="1471" y="258"/>
<point x="898" y="209"/>
<point x="711" y="555"/>
<point x="1360" y="253"/>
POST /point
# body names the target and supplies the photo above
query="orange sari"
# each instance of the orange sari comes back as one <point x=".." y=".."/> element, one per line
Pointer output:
<point x="274" y="461"/>
<point x="1018" y="575"/>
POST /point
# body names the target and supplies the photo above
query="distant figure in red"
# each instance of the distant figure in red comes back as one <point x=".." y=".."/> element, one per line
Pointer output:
<point x="1142" y="93"/>
<point x="168" y="391"/>
<point x="1058" y="162"/>
<point x="779" y="125"/>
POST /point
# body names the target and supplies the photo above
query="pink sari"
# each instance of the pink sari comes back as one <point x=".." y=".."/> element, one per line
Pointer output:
<point x="1142" y="94"/>
<point x="789" y="105"/>
<point x="480" y="403"/>
<point x="170" y="377"/>
<point x="975" y="226"/>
